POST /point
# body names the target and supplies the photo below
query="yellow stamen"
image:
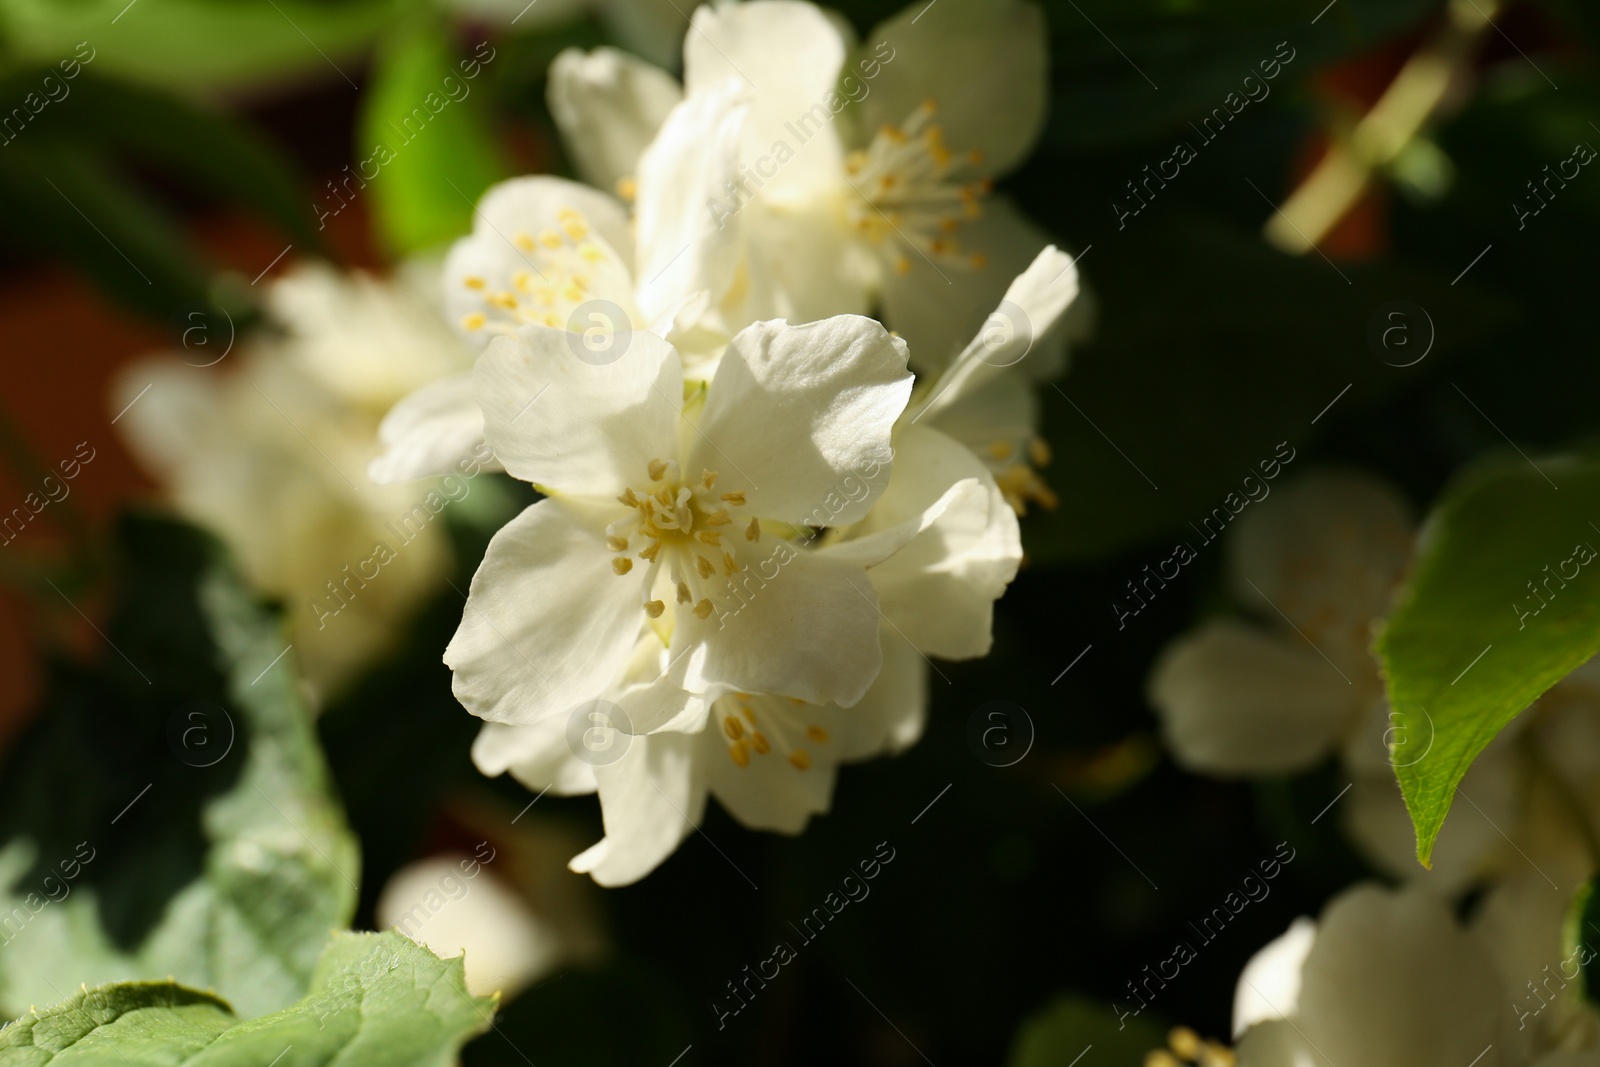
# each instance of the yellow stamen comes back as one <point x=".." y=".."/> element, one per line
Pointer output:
<point x="621" y="565"/>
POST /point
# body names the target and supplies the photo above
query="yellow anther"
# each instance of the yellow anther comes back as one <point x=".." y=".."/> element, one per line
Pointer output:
<point x="473" y="321"/>
<point x="1039" y="452"/>
<point x="753" y="531"/>
<point x="617" y="544"/>
<point x="524" y="242"/>
<point x="736" y="499"/>
<point x="710" y="537"/>
<point x="902" y="265"/>
<point x="718" y="518"/>
<point x="572" y="294"/>
<point x="1000" y="451"/>
<point x="799" y="759"/>
<point x="628" y="499"/>
<point x="734" y="727"/>
<point x="472" y="281"/>
<point x="1161" y="1058"/>
<point x="683" y="593"/>
<point x="650" y="550"/>
<point x="704" y="566"/>
<point x="978" y="260"/>
<point x="657" y="468"/>
<point x="523" y="280"/>
<point x="575" y="230"/>
<point x="758" y="740"/>
<point x="730" y="566"/>
<point x="708" y="479"/>
<point x="740" y="753"/>
<point x="627" y="189"/>
<point x="621" y="565"/>
<point x="817" y="734"/>
<point x="654" y="608"/>
<point x="502" y="299"/>
<point x="703" y="609"/>
<point x="1184" y="1042"/>
<point x="550" y="238"/>
<point x="591" y="252"/>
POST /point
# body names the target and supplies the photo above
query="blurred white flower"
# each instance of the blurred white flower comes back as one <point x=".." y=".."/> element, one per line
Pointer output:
<point x="436" y="903"/>
<point x="268" y="449"/>
<point x="1247" y="699"/>
<point x="1388" y="977"/>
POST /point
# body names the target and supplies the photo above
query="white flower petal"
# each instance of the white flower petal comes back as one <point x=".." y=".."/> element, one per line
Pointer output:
<point x="938" y="319"/>
<point x="528" y="250"/>
<point x="688" y="231"/>
<point x="999" y="418"/>
<point x="1234" y="701"/>
<point x="609" y="107"/>
<point x="939" y="590"/>
<point x="1269" y="985"/>
<point x="796" y="623"/>
<point x="651" y="799"/>
<point x="537" y="755"/>
<point x="1030" y="309"/>
<point x="802" y="415"/>
<point x="770" y="793"/>
<point x="433" y="431"/>
<point x="984" y="62"/>
<point x="799" y="266"/>
<point x="787" y="56"/>
<point x="1392" y="981"/>
<point x="547" y="624"/>
<point x="1327" y="550"/>
<point x="559" y="421"/>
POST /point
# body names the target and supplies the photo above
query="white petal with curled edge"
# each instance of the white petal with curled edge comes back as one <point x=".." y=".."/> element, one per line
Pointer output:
<point x="938" y="319"/>
<point x="650" y="799"/>
<point x="687" y="220"/>
<point x="547" y="624"/>
<point x="1235" y="701"/>
<point x="522" y="246"/>
<point x="1033" y="304"/>
<point x="939" y="590"/>
<point x="787" y="56"/>
<point x="432" y="432"/>
<point x="791" y="622"/>
<point x="609" y="107"/>
<point x="559" y="421"/>
<point x="537" y="755"/>
<point x="800" y="414"/>
<point x="985" y="63"/>
<point x="1269" y="985"/>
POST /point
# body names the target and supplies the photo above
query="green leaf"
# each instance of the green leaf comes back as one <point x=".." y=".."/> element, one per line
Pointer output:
<point x="203" y="147"/>
<point x="1490" y="617"/>
<point x="424" y="145"/>
<point x="1164" y="414"/>
<point x="375" y="998"/>
<point x="1071" y="1025"/>
<point x="67" y="201"/>
<point x="168" y="812"/>
<point x="199" y="45"/>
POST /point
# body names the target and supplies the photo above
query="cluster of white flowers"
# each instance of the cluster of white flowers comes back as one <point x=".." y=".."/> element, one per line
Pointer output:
<point x="1390" y="977"/>
<point x="762" y="510"/>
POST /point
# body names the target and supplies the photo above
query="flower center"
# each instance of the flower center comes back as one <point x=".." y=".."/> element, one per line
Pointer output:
<point x="743" y="717"/>
<point x="679" y="526"/>
<point x="1017" y="473"/>
<point x="911" y="200"/>
<point x="561" y="264"/>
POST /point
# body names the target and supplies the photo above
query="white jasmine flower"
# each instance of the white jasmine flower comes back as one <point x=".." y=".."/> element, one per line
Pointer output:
<point x="654" y="505"/>
<point x="267" y="448"/>
<point x="939" y="546"/>
<point x="862" y="174"/>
